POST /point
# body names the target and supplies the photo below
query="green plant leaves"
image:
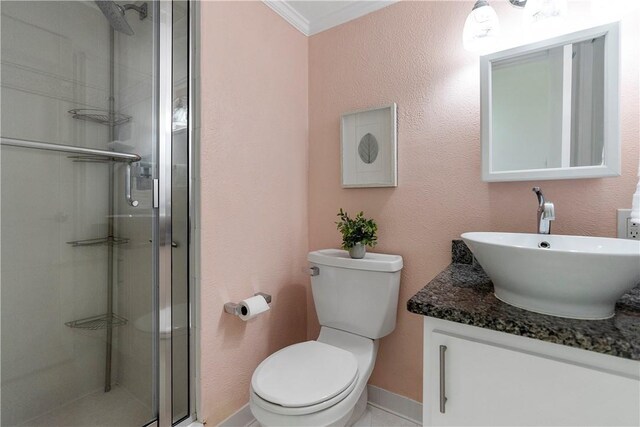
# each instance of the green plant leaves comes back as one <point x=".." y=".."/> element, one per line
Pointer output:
<point x="356" y="230"/>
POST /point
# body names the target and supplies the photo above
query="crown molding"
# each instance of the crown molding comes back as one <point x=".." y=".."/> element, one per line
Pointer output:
<point x="348" y="13"/>
<point x="289" y="14"/>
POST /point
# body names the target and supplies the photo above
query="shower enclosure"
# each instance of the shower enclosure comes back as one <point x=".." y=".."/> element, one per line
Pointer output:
<point x="95" y="166"/>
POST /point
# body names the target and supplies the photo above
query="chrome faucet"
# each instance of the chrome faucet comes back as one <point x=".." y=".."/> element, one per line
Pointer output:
<point x="546" y="213"/>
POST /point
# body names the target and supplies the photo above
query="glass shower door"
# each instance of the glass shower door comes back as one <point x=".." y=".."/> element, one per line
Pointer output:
<point x="78" y="304"/>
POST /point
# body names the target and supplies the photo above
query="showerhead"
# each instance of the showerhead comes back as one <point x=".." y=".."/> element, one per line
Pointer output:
<point x="115" y="14"/>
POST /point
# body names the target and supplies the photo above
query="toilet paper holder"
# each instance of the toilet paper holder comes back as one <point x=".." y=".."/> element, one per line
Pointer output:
<point x="234" y="308"/>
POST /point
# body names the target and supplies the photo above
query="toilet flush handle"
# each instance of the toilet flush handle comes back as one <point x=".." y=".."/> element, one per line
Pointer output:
<point x="314" y="271"/>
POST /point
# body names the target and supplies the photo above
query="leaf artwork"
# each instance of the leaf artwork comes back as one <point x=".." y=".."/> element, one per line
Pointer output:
<point x="368" y="148"/>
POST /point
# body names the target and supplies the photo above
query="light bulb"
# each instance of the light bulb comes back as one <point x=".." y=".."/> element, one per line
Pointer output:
<point x="481" y="29"/>
<point x="537" y="11"/>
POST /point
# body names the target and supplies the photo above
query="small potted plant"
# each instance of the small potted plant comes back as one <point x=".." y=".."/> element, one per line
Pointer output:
<point x="357" y="233"/>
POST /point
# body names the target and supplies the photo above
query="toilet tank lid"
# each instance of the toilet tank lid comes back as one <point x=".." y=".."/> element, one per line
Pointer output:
<point x="371" y="261"/>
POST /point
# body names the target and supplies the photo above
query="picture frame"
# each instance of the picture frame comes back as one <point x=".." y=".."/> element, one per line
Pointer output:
<point x="369" y="148"/>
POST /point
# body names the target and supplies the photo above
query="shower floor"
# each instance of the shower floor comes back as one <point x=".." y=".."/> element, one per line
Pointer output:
<point x="118" y="408"/>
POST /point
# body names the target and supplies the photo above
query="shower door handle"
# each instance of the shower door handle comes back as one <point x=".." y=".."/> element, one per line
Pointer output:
<point x="156" y="193"/>
<point x="128" y="182"/>
<point x="173" y="244"/>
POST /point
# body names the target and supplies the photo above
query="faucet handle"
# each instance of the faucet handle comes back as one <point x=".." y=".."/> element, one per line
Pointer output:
<point x="549" y="211"/>
<point x="539" y="195"/>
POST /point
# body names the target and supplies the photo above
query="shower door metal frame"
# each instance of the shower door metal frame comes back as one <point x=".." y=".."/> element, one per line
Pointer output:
<point x="164" y="249"/>
<point x="163" y="215"/>
<point x="194" y="207"/>
<point x="163" y="223"/>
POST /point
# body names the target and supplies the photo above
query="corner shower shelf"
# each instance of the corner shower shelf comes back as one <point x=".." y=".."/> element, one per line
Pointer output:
<point x="98" y="322"/>
<point x="103" y="117"/>
<point x="109" y="240"/>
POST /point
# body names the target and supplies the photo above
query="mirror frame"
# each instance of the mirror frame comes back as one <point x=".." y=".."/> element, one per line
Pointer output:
<point x="611" y="162"/>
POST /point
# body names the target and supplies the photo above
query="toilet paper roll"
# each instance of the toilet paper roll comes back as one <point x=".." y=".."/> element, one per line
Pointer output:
<point x="251" y="307"/>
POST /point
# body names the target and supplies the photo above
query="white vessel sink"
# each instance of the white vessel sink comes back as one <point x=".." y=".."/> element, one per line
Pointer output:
<point x="567" y="276"/>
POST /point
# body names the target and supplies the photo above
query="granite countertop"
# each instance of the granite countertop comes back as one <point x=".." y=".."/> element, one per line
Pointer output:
<point x="463" y="293"/>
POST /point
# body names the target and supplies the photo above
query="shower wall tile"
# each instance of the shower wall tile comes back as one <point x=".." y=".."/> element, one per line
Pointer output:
<point x="134" y="90"/>
<point x="48" y="283"/>
<point x="51" y="47"/>
<point x="55" y="57"/>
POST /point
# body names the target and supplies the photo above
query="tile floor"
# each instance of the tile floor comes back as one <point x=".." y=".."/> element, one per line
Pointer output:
<point x="98" y="409"/>
<point x="374" y="417"/>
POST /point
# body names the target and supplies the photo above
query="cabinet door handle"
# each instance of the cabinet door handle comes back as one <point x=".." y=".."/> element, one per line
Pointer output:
<point x="443" y="397"/>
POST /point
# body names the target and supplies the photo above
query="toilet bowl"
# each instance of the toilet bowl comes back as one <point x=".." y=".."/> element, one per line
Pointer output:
<point x="302" y="406"/>
<point x="323" y="382"/>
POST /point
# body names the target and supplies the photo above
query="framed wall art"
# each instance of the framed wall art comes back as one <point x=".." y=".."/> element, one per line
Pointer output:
<point x="369" y="148"/>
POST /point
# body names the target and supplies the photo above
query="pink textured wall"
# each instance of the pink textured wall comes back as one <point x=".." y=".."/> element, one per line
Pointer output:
<point x="411" y="53"/>
<point x="253" y="194"/>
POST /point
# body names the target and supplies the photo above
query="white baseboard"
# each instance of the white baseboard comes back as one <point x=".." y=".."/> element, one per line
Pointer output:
<point x="241" y="418"/>
<point x="395" y="404"/>
<point x="378" y="397"/>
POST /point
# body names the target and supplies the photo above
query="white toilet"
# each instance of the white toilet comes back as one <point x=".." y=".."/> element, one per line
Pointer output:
<point x="323" y="382"/>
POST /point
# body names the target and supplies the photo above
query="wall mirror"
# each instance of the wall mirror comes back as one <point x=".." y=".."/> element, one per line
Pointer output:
<point x="550" y="109"/>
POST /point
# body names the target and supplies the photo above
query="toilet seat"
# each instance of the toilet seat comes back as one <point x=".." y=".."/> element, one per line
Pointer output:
<point x="301" y="410"/>
<point x="282" y="380"/>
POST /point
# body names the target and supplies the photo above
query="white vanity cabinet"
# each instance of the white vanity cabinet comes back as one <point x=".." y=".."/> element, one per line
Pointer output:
<point x="492" y="378"/>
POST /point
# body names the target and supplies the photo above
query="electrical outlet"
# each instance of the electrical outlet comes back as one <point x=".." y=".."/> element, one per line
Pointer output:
<point x="627" y="229"/>
<point x="633" y="229"/>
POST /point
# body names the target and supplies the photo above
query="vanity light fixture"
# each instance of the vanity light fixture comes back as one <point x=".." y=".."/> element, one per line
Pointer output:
<point x="481" y="28"/>
<point x="518" y="3"/>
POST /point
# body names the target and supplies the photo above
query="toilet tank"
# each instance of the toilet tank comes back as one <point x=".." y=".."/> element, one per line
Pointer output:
<point x="356" y="295"/>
